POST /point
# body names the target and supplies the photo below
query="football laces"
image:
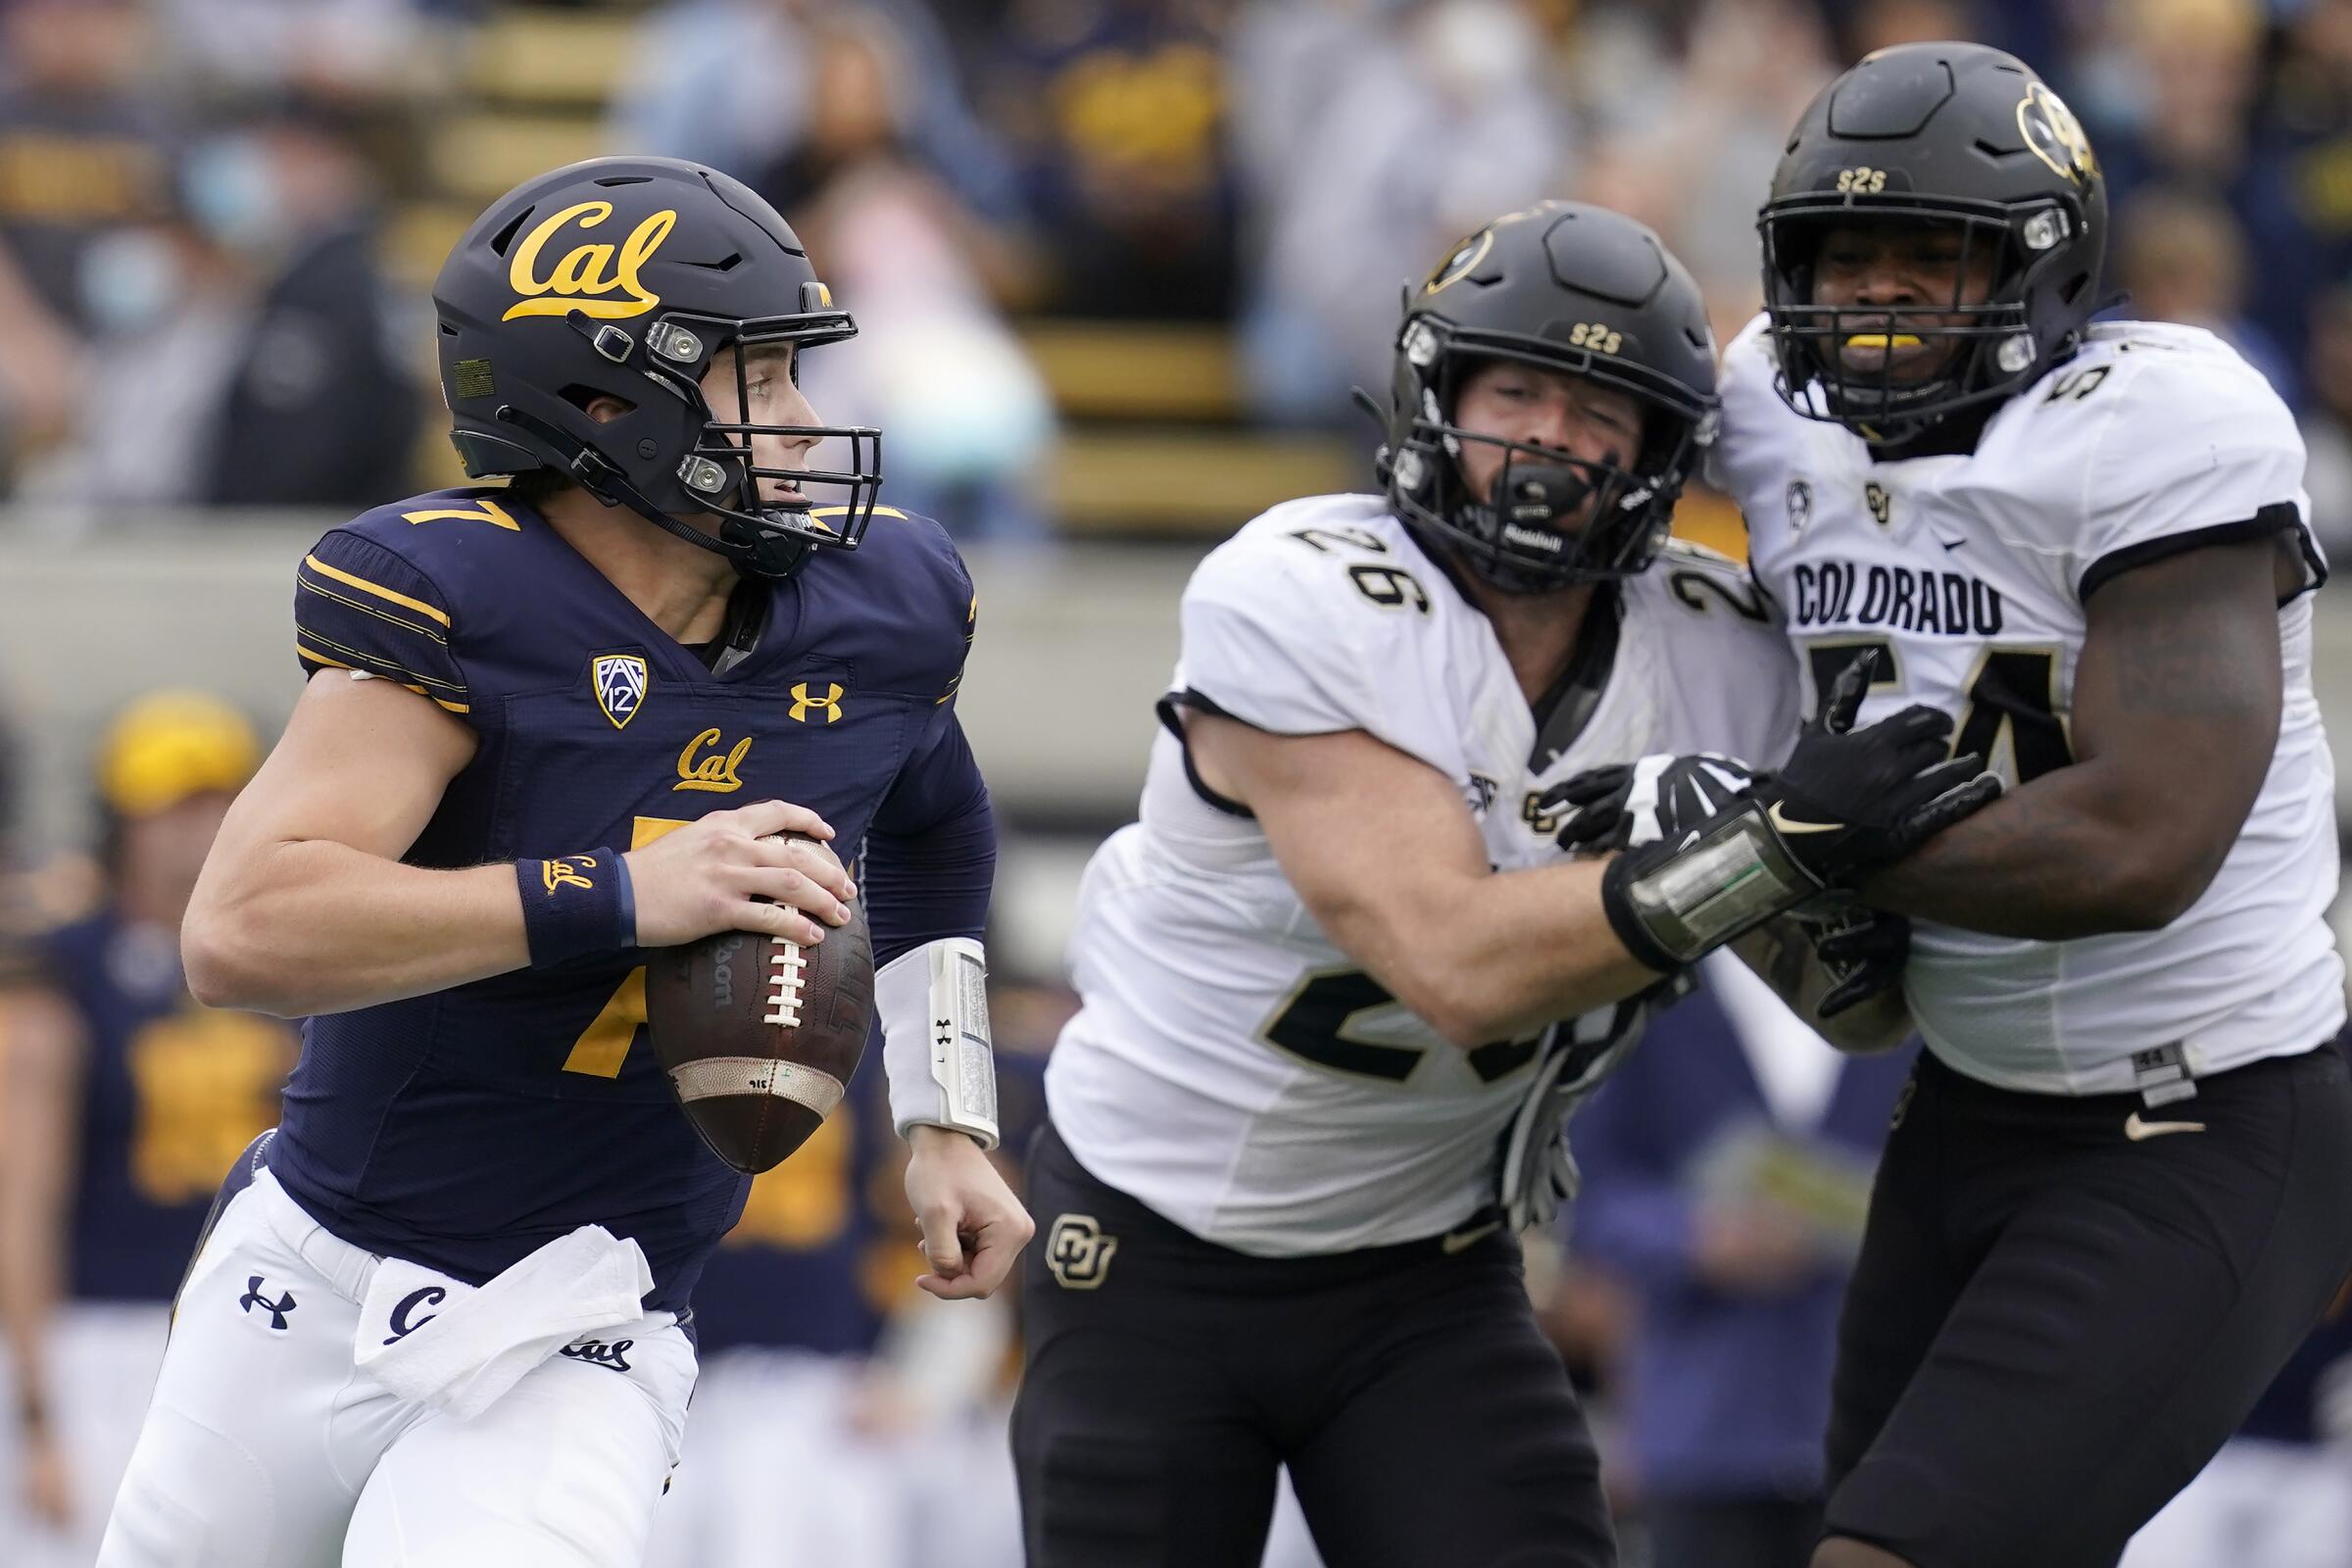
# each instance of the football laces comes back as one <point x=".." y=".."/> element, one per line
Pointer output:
<point x="785" y="965"/>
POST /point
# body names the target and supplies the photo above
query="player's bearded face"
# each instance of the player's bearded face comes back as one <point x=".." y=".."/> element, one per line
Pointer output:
<point x="1908" y="271"/>
<point x="1505" y="400"/>
<point x="768" y="393"/>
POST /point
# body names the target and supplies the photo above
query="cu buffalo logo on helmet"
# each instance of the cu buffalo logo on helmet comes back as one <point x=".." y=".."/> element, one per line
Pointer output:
<point x="2055" y="135"/>
<point x="1078" y="1253"/>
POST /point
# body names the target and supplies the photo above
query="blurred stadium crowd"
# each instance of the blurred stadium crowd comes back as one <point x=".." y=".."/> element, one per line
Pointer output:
<point x="1117" y="263"/>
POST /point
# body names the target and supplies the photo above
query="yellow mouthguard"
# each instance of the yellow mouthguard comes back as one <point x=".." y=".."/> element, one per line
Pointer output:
<point x="1880" y="340"/>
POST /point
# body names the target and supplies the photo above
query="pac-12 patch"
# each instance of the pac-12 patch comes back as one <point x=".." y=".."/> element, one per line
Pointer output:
<point x="620" y="680"/>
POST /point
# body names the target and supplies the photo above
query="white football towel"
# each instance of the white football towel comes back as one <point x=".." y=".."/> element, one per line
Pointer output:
<point x="471" y="1345"/>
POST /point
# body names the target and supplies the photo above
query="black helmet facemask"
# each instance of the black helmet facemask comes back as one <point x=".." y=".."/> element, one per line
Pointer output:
<point x="1991" y="344"/>
<point x="1966" y="139"/>
<point x="1552" y="519"/>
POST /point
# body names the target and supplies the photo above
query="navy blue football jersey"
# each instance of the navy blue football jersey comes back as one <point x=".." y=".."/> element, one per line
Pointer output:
<point x="171" y="1092"/>
<point x="464" y="1129"/>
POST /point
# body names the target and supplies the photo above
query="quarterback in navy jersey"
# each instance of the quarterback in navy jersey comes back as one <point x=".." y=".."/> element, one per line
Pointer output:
<point x="443" y="1315"/>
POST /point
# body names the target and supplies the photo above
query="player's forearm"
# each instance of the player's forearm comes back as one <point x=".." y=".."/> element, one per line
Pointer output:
<point x="1781" y="956"/>
<point x="1497" y="957"/>
<point x="2057" y="859"/>
<point x="313" y="926"/>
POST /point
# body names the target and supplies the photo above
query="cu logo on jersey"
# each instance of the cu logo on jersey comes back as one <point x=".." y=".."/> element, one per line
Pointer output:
<point x="1078" y="1253"/>
<point x="1800" y="506"/>
<point x="619" y="681"/>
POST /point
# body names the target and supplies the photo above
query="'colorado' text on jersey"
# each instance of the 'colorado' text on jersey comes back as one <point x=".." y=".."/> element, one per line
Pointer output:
<point x="464" y="1129"/>
<point x="1971" y="571"/>
<point x="1231" y="1067"/>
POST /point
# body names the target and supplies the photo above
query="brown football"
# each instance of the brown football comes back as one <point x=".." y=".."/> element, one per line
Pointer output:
<point x="761" y="1036"/>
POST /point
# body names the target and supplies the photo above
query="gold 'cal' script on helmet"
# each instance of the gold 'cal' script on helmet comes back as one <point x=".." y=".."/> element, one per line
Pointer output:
<point x="587" y="270"/>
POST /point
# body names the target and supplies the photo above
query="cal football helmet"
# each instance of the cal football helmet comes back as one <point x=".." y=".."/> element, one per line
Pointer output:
<point x="626" y="277"/>
<point x="1949" y="134"/>
<point x="1571" y="288"/>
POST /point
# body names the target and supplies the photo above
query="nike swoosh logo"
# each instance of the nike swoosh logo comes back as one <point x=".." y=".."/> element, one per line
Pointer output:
<point x="1950" y="544"/>
<point x="1469" y="1237"/>
<point x="2138" y="1130"/>
<point x="1772" y="815"/>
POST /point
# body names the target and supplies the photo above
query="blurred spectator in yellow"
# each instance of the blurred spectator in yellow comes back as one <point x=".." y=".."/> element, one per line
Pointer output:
<point x="125" y="1104"/>
<point x="1695" y="166"/>
<point x="1726" y="1170"/>
<point x="2181" y="258"/>
<point x="1113" y="111"/>
<point x="970" y="420"/>
<point x="322" y="406"/>
<point x="82" y="151"/>
<point x="735" y="84"/>
<point x="1369" y="132"/>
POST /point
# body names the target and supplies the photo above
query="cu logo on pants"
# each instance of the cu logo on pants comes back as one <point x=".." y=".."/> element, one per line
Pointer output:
<point x="1078" y="1253"/>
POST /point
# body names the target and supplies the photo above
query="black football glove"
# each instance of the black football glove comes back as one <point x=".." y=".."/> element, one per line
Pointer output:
<point x="1860" y="949"/>
<point x="1628" y="805"/>
<point x="1849" y="803"/>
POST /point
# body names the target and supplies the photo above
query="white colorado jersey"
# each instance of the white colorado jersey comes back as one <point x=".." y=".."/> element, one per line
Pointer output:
<point x="1970" y="572"/>
<point x="1231" y="1067"/>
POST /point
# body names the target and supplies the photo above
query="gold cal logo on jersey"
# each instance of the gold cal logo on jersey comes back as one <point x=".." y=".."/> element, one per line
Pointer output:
<point x="587" y="270"/>
<point x="710" y="771"/>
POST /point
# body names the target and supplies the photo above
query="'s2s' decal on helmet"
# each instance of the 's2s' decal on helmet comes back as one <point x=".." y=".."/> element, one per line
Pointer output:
<point x="1574" y="290"/>
<point x="1951" y="137"/>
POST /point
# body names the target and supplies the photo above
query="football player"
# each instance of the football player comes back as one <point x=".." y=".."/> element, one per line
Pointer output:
<point x="440" y="1317"/>
<point x="1316" y="1083"/>
<point x="123" y="1101"/>
<point x="2115" y="1202"/>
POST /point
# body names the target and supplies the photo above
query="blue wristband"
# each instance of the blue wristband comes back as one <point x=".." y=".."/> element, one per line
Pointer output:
<point x="576" y="905"/>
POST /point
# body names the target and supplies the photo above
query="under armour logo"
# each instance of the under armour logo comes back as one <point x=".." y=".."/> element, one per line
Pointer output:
<point x="402" y="1327"/>
<point x="276" y="1310"/>
<point x="599" y="1353"/>
<point x="805" y="703"/>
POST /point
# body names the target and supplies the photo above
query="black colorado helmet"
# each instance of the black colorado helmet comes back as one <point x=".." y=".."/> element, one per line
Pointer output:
<point x="1951" y="135"/>
<point x="626" y="277"/>
<point x="1575" y="290"/>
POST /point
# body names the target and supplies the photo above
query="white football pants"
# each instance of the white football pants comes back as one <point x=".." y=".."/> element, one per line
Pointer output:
<point x="266" y="1447"/>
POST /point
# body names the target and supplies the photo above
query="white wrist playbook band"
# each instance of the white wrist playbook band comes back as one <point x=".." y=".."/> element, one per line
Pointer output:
<point x="935" y="1044"/>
